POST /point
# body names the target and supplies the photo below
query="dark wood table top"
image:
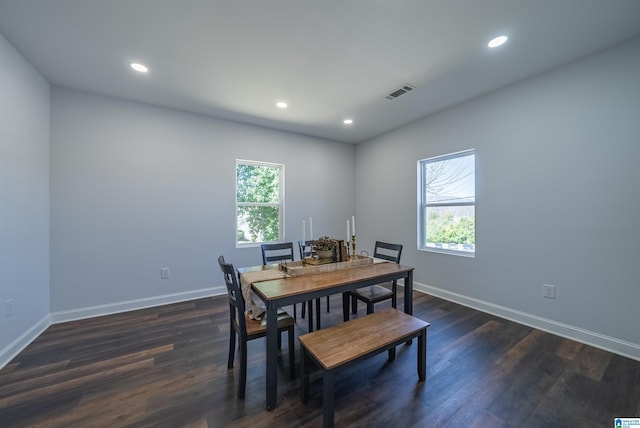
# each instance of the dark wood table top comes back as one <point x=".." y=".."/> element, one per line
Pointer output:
<point x="302" y="284"/>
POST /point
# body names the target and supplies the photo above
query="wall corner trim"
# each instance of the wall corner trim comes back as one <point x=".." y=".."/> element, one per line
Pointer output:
<point x="22" y="341"/>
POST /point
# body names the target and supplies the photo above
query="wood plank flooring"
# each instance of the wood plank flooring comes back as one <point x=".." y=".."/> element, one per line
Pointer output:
<point x="166" y="367"/>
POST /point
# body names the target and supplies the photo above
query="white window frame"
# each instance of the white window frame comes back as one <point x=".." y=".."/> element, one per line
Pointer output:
<point x="280" y="204"/>
<point x="423" y="204"/>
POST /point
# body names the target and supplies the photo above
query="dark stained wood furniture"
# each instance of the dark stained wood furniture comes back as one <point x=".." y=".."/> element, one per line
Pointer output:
<point x="276" y="253"/>
<point x="377" y="292"/>
<point x="345" y="344"/>
<point x="247" y="329"/>
<point x="286" y="291"/>
<point x="306" y="253"/>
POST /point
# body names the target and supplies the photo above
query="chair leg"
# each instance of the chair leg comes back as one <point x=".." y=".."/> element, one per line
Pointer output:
<point x="310" y="315"/>
<point x="292" y="353"/>
<point x="279" y="340"/>
<point x="232" y="347"/>
<point x="243" y="369"/>
<point x="369" y="308"/>
<point x="318" y="314"/>
<point x="328" y="304"/>
<point x="303" y="310"/>
<point x="345" y="306"/>
<point x="354" y="304"/>
<point x="294" y="312"/>
<point x="394" y="299"/>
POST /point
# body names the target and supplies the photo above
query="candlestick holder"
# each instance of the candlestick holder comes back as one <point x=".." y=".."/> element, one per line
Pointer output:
<point x="304" y="258"/>
<point x="353" y="246"/>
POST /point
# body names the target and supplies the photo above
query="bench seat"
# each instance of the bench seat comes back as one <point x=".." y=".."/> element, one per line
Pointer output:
<point x="345" y="344"/>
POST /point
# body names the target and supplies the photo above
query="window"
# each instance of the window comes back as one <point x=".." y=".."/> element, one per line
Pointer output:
<point x="447" y="201"/>
<point x="259" y="202"/>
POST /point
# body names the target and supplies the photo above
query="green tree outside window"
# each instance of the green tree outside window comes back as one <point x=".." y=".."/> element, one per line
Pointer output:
<point x="258" y="202"/>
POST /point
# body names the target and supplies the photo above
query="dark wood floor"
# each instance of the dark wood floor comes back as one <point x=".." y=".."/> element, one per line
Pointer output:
<point x="166" y="367"/>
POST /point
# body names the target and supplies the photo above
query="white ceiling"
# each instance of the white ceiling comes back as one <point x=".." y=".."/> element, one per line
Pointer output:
<point x="329" y="59"/>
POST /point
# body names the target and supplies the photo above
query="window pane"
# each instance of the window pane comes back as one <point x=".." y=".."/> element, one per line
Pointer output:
<point x="258" y="224"/>
<point x="451" y="228"/>
<point x="258" y="183"/>
<point x="450" y="181"/>
<point x="447" y="203"/>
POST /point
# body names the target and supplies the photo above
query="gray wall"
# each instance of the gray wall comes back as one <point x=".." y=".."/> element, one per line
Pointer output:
<point x="557" y="199"/>
<point x="24" y="201"/>
<point x="135" y="188"/>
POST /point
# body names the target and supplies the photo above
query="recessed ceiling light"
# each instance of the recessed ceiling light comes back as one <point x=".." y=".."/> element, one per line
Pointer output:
<point x="347" y="121"/>
<point x="497" y="41"/>
<point x="281" y="104"/>
<point x="139" y="67"/>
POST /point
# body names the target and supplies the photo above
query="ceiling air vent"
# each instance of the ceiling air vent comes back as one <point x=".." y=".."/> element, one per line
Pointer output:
<point x="400" y="91"/>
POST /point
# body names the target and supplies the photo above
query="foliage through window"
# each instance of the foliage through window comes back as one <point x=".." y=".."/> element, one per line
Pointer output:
<point x="446" y="222"/>
<point x="259" y="202"/>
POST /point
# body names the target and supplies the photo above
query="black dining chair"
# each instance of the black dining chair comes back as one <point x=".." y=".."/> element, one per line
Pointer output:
<point x="247" y="329"/>
<point x="276" y="253"/>
<point x="377" y="293"/>
<point x="304" y="253"/>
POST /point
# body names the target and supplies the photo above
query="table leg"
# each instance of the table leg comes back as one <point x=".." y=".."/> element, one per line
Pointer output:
<point x="408" y="296"/>
<point x="422" y="355"/>
<point x="272" y="356"/>
<point x="408" y="293"/>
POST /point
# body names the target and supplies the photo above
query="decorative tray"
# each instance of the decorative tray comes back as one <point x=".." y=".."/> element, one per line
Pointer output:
<point x="311" y="266"/>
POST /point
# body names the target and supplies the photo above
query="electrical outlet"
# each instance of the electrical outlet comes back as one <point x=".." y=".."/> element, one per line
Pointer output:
<point x="164" y="273"/>
<point x="549" y="291"/>
<point x="8" y="308"/>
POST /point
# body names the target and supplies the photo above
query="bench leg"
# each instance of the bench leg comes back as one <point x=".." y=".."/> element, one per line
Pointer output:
<point x="328" y="402"/>
<point x="422" y="355"/>
<point x="304" y="368"/>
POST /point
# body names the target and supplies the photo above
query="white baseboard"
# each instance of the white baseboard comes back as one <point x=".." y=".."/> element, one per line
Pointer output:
<point x="132" y="305"/>
<point x="14" y="348"/>
<point x="607" y="343"/>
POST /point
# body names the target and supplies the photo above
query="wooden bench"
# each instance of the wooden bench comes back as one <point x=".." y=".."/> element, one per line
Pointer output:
<point x="345" y="344"/>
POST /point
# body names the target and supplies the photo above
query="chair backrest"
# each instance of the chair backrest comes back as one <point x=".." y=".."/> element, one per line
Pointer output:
<point x="277" y="252"/>
<point x="236" y="301"/>
<point x="386" y="251"/>
<point x="307" y="249"/>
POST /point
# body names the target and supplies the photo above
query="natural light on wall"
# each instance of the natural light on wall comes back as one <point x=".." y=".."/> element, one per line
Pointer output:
<point x="446" y="218"/>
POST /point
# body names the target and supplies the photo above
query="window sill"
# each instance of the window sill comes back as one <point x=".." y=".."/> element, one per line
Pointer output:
<point x="468" y="254"/>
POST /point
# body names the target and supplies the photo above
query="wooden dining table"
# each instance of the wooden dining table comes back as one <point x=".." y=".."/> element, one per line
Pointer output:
<point x="297" y="289"/>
